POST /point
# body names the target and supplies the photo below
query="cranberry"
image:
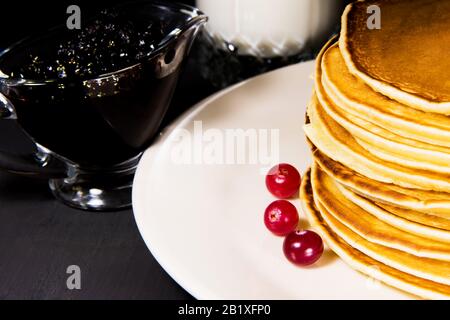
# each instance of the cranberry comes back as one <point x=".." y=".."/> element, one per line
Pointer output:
<point x="281" y="217"/>
<point x="283" y="181"/>
<point x="303" y="247"/>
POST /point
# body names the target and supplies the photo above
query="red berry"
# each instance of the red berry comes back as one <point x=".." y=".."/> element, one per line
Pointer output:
<point x="283" y="181"/>
<point x="303" y="247"/>
<point x="281" y="217"/>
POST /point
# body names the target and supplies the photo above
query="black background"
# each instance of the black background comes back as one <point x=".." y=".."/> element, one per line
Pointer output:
<point x="19" y="18"/>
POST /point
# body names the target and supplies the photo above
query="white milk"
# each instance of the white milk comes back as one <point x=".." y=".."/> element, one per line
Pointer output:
<point x="271" y="27"/>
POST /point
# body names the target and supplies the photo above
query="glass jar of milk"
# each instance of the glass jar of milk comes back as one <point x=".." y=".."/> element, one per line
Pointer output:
<point x="247" y="37"/>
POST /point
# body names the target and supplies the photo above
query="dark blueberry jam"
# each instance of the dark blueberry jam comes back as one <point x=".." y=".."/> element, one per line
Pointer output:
<point x="102" y="90"/>
<point x="106" y="43"/>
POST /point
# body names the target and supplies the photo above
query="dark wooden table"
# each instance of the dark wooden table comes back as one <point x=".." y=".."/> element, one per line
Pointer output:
<point x="40" y="237"/>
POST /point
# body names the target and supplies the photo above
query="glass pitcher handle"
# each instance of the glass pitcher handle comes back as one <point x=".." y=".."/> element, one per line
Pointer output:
<point x="40" y="164"/>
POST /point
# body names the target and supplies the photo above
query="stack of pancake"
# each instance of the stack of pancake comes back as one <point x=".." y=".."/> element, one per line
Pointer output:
<point x="379" y="128"/>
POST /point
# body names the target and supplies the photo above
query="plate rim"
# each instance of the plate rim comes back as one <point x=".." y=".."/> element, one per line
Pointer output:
<point x="151" y="153"/>
<point x="199" y="290"/>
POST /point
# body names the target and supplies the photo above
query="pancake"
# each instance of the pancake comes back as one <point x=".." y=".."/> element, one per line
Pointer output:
<point x="395" y="220"/>
<point x="338" y="144"/>
<point x="369" y="227"/>
<point x="386" y="146"/>
<point x="363" y="263"/>
<point x="354" y="97"/>
<point x="378" y="124"/>
<point x="425" y="154"/>
<point x="417" y="216"/>
<point x="402" y="142"/>
<point x="424" y="204"/>
<point x="415" y="160"/>
<point x="405" y="60"/>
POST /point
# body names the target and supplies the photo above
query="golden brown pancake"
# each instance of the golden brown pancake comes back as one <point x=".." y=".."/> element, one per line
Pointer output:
<point x="382" y="143"/>
<point x="351" y="95"/>
<point x="379" y="128"/>
<point x="363" y="263"/>
<point x="408" y="58"/>
<point x="338" y="144"/>
<point x="432" y="206"/>
<point x="423" y="228"/>
<point x="417" y="216"/>
<point x="368" y="226"/>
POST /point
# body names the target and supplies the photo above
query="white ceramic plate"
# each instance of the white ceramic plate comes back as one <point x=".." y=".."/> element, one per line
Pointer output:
<point x="203" y="222"/>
